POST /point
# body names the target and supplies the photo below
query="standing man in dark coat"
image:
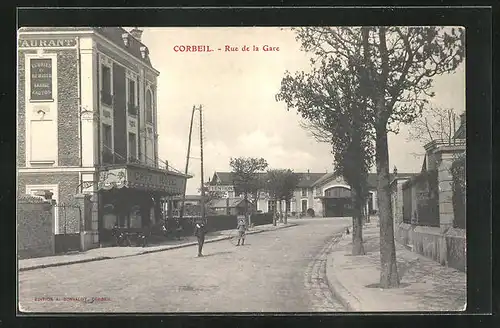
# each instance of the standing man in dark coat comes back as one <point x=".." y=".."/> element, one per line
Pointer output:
<point x="200" y="231"/>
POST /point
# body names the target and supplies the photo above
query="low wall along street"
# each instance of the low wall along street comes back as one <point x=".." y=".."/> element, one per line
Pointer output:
<point x="447" y="248"/>
<point x="35" y="237"/>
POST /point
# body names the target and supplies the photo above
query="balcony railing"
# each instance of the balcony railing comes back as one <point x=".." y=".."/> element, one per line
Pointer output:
<point x="107" y="98"/>
<point x="134" y="160"/>
<point x="132" y="109"/>
<point x="110" y="158"/>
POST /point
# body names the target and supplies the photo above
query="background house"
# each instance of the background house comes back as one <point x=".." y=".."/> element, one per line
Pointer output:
<point x="319" y="194"/>
<point x="230" y="206"/>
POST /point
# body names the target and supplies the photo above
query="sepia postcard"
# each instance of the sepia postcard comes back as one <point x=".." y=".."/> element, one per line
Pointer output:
<point x="241" y="169"/>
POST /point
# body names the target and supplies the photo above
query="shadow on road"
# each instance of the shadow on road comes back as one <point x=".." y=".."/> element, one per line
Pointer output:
<point x="218" y="253"/>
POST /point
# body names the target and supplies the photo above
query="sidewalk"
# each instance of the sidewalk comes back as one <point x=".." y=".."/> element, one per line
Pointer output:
<point x="425" y="284"/>
<point x="107" y="253"/>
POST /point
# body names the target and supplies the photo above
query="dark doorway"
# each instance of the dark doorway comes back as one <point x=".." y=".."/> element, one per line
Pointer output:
<point x="304" y="206"/>
<point x="338" y="202"/>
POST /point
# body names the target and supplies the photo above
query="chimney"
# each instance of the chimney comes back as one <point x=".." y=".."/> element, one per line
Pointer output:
<point x="462" y="119"/>
<point x="136" y="33"/>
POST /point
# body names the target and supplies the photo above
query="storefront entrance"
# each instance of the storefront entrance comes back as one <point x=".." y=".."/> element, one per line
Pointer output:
<point x="130" y="197"/>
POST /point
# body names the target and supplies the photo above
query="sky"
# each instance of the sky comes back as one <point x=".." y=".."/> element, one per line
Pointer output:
<point x="240" y="114"/>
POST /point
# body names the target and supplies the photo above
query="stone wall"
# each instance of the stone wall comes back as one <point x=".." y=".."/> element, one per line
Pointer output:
<point x="447" y="248"/>
<point x="35" y="231"/>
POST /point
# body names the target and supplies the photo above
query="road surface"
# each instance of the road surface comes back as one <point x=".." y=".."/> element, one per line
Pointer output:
<point x="276" y="271"/>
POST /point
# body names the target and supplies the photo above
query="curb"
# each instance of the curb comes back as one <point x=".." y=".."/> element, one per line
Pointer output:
<point x="101" y="258"/>
<point x="338" y="290"/>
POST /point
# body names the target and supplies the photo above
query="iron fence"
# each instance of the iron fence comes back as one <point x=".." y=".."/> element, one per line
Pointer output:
<point x="69" y="224"/>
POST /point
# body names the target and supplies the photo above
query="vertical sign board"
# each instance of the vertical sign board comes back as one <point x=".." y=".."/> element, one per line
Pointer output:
<point x="41" y="79"/>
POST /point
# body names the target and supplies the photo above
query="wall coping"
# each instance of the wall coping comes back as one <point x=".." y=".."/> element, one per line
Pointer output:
<point x="445" y="145"/>
<point x="455" y="232"/>
<point x="429" y="230"/>
<point x="405" y="226"/>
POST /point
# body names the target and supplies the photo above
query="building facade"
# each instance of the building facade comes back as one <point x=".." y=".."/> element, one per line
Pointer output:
<point x="87" y="123"/>
<point x="318" y="194"/>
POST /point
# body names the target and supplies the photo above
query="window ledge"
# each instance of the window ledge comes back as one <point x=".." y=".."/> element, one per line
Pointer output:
<point x="43" y="163"/>
<point x="41" y="100"/>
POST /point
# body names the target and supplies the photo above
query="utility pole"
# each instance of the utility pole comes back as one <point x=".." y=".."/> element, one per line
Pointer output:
<point x="181" y="214"/>
<point x="202" y="203"/>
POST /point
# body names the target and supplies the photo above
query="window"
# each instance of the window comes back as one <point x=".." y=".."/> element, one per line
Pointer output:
<point x="149" y="106"/>
<point x="304" y="192"/>
<point x="107" y="137"/>
<point x="288" y="207"/>
<point x="132" y="109"/>
<point x="132" y="147"/>
<point x="271" y="206"/>
<point x="41" y="79"/>
<point x="107" y="143"/>
<point x="304" y="206"/>
<point x="106" y="85"/>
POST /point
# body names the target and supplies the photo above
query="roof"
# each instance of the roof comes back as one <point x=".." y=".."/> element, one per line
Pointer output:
<point x="112" y="33"/>
<point x="372" y="178"/>
<point x="309" y="180"/>
<point x="306" y="179"/>
<point x="233" y="202"/>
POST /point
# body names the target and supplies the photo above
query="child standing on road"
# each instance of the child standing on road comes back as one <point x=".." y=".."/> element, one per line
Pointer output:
<point x="242" y="227"/>
<point x="199" y="232"/>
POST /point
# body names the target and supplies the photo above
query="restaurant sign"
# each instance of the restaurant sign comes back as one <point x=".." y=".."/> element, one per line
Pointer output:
<point x="142" y="178"/>
<point x="47" y="43"/>
<point x="41" y="78"/>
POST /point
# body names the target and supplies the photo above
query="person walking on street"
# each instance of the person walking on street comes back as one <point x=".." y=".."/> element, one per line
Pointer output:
<point x="199" y="232"/>
<point x="242" y="228"/>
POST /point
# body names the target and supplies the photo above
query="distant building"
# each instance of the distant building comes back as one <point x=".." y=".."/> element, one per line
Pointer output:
<point x="230" y="206"/>
<point x="323" y="194"/>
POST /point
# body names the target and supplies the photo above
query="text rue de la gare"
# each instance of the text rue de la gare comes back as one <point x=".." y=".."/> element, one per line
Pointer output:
<point x="226" y="48"/>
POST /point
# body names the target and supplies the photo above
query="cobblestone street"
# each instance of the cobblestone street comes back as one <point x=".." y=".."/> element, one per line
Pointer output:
<point x="275" y="271"/>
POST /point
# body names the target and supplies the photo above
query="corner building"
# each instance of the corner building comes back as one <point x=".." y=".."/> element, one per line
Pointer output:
<point x="87" y="123"/>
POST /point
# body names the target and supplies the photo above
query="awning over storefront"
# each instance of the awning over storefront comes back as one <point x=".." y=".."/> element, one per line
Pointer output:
<point x="142" y="178"/>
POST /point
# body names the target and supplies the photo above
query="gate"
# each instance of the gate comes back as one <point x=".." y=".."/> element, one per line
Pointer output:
<point x="70" y="224"/>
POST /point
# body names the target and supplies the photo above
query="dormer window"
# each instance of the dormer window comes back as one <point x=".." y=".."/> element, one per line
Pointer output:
<point x="126" y="40"/>
<point x="144" y="52"/>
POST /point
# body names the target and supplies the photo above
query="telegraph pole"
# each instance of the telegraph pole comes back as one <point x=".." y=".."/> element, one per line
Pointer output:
<point x="202" y="203"/>
<point x="187" y="162"/>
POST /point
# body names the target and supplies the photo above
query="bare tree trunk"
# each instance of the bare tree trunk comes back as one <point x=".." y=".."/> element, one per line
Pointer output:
<point x="357" y="224"/>
<point x="389" y="272"/>
<point x="286" y="211"/>
<point x="246" y="207"/>
<point x="274" y="213"/>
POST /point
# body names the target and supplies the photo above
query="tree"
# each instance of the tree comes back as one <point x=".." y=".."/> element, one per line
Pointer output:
<point x="246" y="179"/>
<point x="281" y="184"/>
<point x="336" y="112"/>
<point x="435" y="124"/>
<point x="397" y="66"/>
